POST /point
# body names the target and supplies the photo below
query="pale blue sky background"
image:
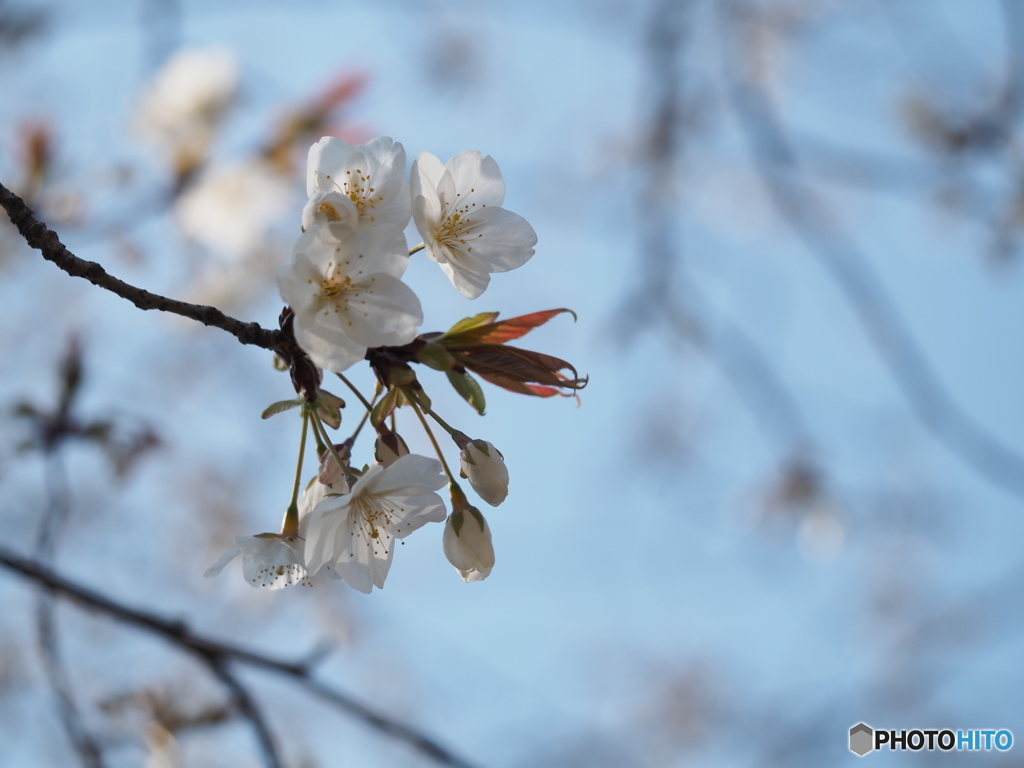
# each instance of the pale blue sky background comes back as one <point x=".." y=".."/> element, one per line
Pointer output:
<point x="621" y="567"/>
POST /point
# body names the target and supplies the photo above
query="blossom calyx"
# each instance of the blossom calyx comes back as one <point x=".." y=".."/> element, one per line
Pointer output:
<point x="484" y="467"/>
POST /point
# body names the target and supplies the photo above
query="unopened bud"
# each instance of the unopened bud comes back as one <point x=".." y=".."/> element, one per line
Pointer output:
<point x="390" y="446"/>
<point x="331" y="472"/>
<point x="467" y="544"/>
<point x="485" y="468"/>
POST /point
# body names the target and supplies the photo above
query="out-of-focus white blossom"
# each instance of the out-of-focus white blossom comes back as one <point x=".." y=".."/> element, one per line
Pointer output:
<point x="187" y="99"/>
<point x="352" y="536"/>
<point x="457" y="209"/>
<point x="485" y="468"/>
<point x="231" y="208"/>
<point x="268" y="560"/>
<point x="371" y="176"/>
<point x="344" y="287"/>
<point x="467" y="544"/>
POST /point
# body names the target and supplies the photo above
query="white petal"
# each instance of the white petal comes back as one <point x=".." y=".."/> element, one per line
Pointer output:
<point x="410" y="475"/>
<point x="330" y="247"/>
<point x="425" y="212"/>
<point x="378" y="249"/>
<point x="477" y="179"/>
<point x="326" y="158"/>
<point x="327" y="207"/>
<point x="320" y="532"/>
<point x="447" y="194"/>
<point x="381" y="311"/>
<point x="328" y="346"/>
<point x="386" y="164"/>
<point x="416" y="511"/>
<point x="470" y="282"/>
<point x="507" y="239"/>
<point x="425" y="175"/>
<point x="299" y="283"/>
<point x="226" y="558"/>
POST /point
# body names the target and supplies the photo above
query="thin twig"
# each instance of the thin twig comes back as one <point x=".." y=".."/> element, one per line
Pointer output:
<point x="249" y="709"/>
<point x="51" y="526"/>
<point x="45" y="240"/>
<point x="178" y="633"/>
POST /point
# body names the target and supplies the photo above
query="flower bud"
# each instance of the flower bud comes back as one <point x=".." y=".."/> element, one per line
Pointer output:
<point x="467" y="544"/>
<point x="390" y="446"/>
<point x="331" y="472"/>
<point x="485" y="468"/>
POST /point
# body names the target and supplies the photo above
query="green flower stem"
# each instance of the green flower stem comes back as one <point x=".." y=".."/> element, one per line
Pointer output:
<point x="320" y="447"/>
<point x="443" y="424"/>
<point x="417" y="248"/>
<point x="349" y="476"/>
<point x="355" y="391"/>
<point x="290" y="527"/>
<point x="433" y="441"/>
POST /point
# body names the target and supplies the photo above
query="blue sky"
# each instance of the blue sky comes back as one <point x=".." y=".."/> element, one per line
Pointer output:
<point x="622" y="566"/>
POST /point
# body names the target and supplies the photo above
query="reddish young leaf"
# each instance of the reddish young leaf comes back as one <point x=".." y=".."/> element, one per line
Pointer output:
<point x="498" y="332"/>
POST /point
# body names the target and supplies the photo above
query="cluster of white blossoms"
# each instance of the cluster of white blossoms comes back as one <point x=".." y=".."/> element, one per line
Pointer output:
<point x="347" y="303"/>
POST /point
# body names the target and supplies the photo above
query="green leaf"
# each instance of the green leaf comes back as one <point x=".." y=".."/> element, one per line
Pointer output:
<point x="435" y="356"/>
<point x="329" y="408"/>
<point x="470" y="390"/>
<point x="280" y="406"/>
<point x="417" y="396"/>
<point x="472" y="322"/>
<point x="384" y="408"/>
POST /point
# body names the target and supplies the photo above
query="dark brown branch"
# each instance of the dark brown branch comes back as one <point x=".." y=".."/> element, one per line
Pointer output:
<point x="248" y="708"/>
<point x="842" y="258"/>
<point x="51" y="526"/>
<point x="45" y="240"/>
<point x="178" y="633"/>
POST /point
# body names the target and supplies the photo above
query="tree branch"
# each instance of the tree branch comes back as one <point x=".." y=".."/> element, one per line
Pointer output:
<point x="216" y="653"/>
<point x="249" y="710"/>
<point x="45" y="240"/>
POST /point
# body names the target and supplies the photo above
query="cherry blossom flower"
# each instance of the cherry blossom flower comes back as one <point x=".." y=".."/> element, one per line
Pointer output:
<point x="268" y="560"/>
<point x="352" y="536"/>
<point x="467" y="544"/>
<point x="457" y="209"/>
<point x="343" y="285"/>
<point x="485" y="468"/>
<point x="371" y="176"/>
